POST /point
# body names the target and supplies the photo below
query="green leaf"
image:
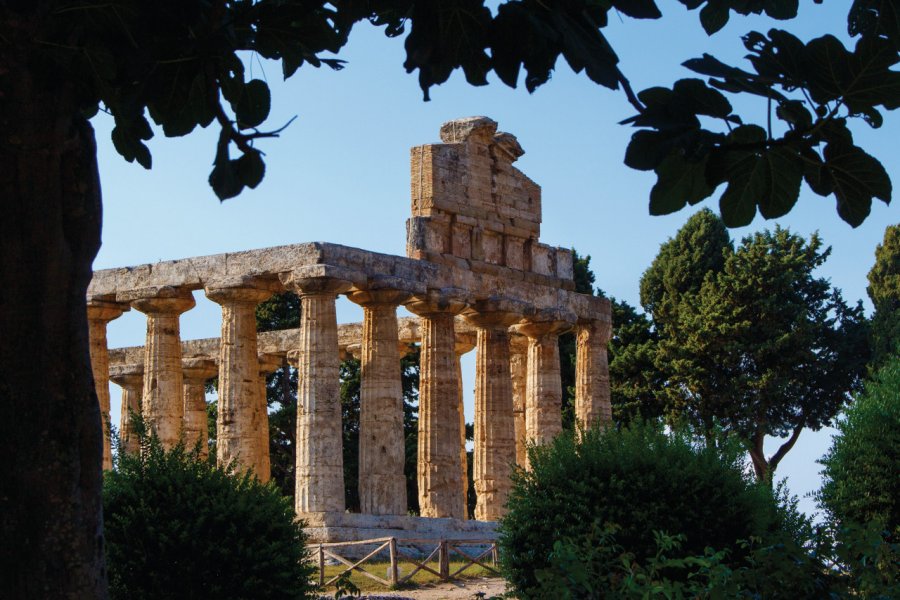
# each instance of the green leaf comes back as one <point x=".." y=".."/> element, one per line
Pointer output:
<point x="253" y="104"/>
<point x="224" y="180"/>
<point x="638" y="9"/>
<point x="250" y="168"/>
<point x="679" y="182"/>
<point x="768" y="178"/>
<point x="858" y="177"/>
<point x="702" y="99"/>
<point x="784" y="173"/>
<point x="129" y="144"/>
<point x="714" y="16"/>
<point x="781" y="9"/>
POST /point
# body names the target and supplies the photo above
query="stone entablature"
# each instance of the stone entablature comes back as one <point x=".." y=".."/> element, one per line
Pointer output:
<point x="476" y="275"/>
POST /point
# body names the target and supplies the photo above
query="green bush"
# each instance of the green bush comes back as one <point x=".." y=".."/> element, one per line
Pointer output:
<point x="641" y="482"/>
<point x="179" y="527"/>
<point x="860" y="479"/>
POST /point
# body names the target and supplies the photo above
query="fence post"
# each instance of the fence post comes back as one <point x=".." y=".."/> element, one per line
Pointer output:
<point x="394" y="576"/>
<point x="444" y="560"/>
<point x="495" y="554"/>
<point x="321" y="566"/>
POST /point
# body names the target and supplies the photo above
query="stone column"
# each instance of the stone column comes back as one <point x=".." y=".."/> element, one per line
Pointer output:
<point x="439" y="468"/>
<point x="99" y="314"/>
<point x="131" y="379"/>
<point x="518" y="367"/>
<point x="543" y="393"/>
<point x="320" y="463"/>
<point x="268" y="364"/>
<point x="592" y="401"/>
<point x="240" y="409"/>
<point x="495" y="445"/>
<point x="196" y="372"/>
<point x="163" y="397"/>
<point x="382" y="484"/>
<point x="465" y="343"/>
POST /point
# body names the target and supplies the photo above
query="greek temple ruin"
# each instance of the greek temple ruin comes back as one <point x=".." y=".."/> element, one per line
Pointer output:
<point x="476" y="276"/>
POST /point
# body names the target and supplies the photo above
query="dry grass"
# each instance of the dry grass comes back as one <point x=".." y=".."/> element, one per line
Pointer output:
<point x="380" y="569"/>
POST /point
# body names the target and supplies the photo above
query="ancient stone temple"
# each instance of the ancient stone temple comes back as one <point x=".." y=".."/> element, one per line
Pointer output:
<point x="476" y="276"/>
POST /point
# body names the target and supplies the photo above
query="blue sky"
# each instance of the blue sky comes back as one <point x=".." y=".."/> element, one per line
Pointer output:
<point x="340" y="172"/>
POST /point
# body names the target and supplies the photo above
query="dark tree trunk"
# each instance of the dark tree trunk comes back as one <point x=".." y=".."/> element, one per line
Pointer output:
<point x="51" y="525"/>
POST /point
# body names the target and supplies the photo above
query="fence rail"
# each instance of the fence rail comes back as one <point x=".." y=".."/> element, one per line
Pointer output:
<point x="443" y="548"/>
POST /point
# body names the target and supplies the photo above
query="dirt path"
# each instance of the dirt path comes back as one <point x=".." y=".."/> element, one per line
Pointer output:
<point x="457" y="590"/>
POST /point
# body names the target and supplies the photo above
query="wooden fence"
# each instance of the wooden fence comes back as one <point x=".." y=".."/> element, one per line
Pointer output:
<point x="443" y="549"/>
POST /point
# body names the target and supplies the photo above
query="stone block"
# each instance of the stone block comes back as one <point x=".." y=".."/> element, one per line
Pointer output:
<point x="461" y="240"/>
<point x="564" y="264"/>
<point x="514" y="252"/>
<point x="543" y="259"/>
<point x="492" y="247"/>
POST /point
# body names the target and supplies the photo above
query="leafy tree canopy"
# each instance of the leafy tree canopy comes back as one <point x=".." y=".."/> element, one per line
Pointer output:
<point x="761" y="347"/>
<point x="860" y="481"/>
<point x="884" y="291"/>
<point x="178" y="64"/>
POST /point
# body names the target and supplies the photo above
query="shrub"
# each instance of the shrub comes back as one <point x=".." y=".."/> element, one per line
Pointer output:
<point x="179" y="527"/>
<point x="860" y="478"/>
<point x="639" y="481"/>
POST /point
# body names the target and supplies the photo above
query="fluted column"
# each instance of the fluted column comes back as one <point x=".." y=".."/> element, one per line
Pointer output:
<point x="162" y="398"/>
<point x="518" y="367"/>
<point x="439" y="469"/>
<point x="268" y="364"/>
<point x="131" y="379"/>
<point x="382" y="484"/>
<point x="592" y="400"/>
<point x="543" y="392"/>
<point x="99" y="314"/>
<point x="320" y="464"/>
<point x="240" y="409"/>
<point x="495" y="445"/>
<point x="465" y="343"/>
<point x="196" y="372"/>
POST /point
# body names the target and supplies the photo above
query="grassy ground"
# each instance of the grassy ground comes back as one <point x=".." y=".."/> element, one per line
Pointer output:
<point x="380" y="569"/>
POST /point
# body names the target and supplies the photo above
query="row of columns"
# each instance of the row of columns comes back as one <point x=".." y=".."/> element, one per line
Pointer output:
<point x="172" y="390"/>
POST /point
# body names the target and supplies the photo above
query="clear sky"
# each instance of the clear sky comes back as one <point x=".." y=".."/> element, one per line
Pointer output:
<point x="340" y="172"/>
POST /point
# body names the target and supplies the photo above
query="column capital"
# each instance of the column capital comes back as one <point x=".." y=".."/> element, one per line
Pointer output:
<point x="603" y="328"/>
<point x="104" y="311"/>
<point x="436" y="301"/>
<point x="549" y="321"/>
<point x="496" y="312"/>
<point x="165" y="300"/>
<point x="269" y="362"/>
<point x="241" y="290"/>
<point x="199" y="368"/>
<point x="464" y="341"/>
<point x="378" y="297"/>
<point x="127" y="375"/>
<point x="293" y="357"/>
<point x="321" y="280"/>
<point x="351" y="351"/>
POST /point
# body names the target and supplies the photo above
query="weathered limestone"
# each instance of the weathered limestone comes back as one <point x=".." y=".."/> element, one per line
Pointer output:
<point x="465" y="343"/>
<point x="382" y="484"/>
<point x="131" y="379"/>
<point x="592" y="401"/>
<point x="543" y="393"/>
<point x="439" y="468"/>
<point x="240" y="409"/>
<point x="99" y="314"/>
<point x="162" y="398"/>
<point x="320" y="463"/>
<point x="472" y="245"/>
<point x="268" y="364"/>
<point x="495" y="445"/>
<point x="196" y="372"/>
<point x="518" y="367"/>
